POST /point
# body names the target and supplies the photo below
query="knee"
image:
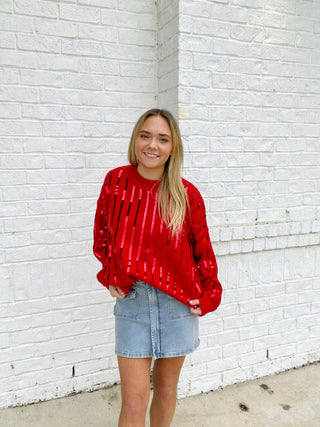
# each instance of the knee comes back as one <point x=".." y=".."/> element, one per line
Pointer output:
<point x="165" y="392"/>
<point x="135" y="405"/>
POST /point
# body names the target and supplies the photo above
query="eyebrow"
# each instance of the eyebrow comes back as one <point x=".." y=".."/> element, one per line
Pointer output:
<point x="161" y="134"/>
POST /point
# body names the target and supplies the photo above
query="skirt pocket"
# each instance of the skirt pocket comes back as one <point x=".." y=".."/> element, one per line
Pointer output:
<point x="128" y="307"/>
<point x="176" y="309"/>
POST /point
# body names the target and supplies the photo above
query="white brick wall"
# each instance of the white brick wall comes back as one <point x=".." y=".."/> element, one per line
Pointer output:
<point x="243" y="78"/>
<point x="168" y="57"/>
<point x="249" y="84"/>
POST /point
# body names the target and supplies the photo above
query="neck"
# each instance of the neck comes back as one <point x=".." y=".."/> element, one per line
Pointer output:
<point x="153" y="174"/>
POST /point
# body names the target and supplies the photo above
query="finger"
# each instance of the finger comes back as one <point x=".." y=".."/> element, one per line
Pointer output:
<point x="119" y="293"/>
<point x="114" y="292"/>
<point x="194" y="302"/>
<point x="196" y="311"/>
<point x="111" y="290"/>
<point x="195" y="307"/>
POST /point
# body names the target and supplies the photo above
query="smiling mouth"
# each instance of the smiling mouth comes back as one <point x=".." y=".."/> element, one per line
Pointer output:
<point x="152" y="156"/>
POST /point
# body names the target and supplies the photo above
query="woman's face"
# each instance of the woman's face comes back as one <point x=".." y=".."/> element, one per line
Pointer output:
<point x="153" y="147"/>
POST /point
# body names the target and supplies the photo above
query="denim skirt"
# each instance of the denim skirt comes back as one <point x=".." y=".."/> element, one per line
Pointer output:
<point x="150" y="323"/>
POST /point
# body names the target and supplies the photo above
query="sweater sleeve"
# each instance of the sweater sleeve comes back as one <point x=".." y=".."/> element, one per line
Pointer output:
<point x="204" y="256"/>
<point x="101" y="239"/>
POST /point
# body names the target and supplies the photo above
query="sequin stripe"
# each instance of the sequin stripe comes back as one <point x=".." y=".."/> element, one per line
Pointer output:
<point x="104" y="197"/>
<point x="118" y="220"/>
<point x="133" y="231"/>
<point x="137" y="211"/>
<point x="157" y="235"/>
<point x="110" y="269"/>
<point x="160" y="276"/>
<point x="153" y="267"/>
<point x="145" y="269"/>
<point x="185" y="254"/>
<point x="155" y="207"/>
<point x="169" y="250"/>
<point x="115" y="198"/>
<point x="197" y="212"/>
<point x="161" y="226"/>
<point x="143" y="225"/>
<point x="197" y="216"/>
<point x="127" y="217"/>
<point x="193" y="270"/>
<point x="176" y="241"/>
<point x="100" y="228"/>
<point x="168" y="281"/>
<point x="207" y="266"/>
<point x="189" y="272"/>
<point x="170" y="267"/>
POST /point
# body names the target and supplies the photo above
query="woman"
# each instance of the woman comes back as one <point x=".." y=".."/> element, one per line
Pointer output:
<point x="153" y="242"/>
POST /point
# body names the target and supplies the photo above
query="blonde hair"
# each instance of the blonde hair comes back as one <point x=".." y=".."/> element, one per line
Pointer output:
<point x="172" y="196"/>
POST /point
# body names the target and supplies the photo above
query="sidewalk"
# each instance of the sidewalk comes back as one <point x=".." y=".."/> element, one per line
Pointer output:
<point x="290" y="398"/>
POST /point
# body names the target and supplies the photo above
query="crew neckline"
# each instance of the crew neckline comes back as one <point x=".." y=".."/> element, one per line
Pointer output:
<point x="142" y="179"/>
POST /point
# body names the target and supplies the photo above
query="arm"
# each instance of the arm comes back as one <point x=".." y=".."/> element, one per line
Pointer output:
<point x="101" y="246"/>
<point x="204" y="258"/>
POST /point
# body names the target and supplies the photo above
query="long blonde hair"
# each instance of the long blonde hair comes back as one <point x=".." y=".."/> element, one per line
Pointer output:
<point x="172" y="196"/>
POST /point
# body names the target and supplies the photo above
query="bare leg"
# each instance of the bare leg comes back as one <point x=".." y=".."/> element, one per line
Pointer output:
<point x="166" y="374"/>
<point x="135" y="390"/>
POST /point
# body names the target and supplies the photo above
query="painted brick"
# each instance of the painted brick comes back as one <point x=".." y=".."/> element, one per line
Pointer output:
<point x="55" y="28"/>
<point x="236" y="322"/>
<point x="253" y="332"/>
<point x="282" y="351"/>
<point x="236" y="376"/>
<point x="81" y="47"/>
<point x="136" y="6"/>
<point x="38" y="43"/>
<point x="252" y="359"/>
<point x="70" y="12"/>
<point x="267" y="342"/>
<point x="46" y="9"/>
<point x="7" y="40"/>
<point x="101" y="3"/>
<point x="6" y="291"/>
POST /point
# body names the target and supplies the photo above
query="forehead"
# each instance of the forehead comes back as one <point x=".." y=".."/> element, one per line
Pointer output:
<point x="156" y="124"/>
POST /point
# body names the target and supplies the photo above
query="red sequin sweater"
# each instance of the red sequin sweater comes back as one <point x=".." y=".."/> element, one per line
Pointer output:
<point x="133" y="243"/>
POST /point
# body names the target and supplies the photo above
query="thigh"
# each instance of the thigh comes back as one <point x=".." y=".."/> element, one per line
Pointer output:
<point x="134" y="376"/>
<point x="166" y="372"/>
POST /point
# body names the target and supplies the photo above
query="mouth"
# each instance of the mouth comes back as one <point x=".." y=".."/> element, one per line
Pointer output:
<point x="151" y="156"/>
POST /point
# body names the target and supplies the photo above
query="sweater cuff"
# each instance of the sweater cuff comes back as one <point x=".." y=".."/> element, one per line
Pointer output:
<point x="101" y="276"/>
<point x="210" y="301"/>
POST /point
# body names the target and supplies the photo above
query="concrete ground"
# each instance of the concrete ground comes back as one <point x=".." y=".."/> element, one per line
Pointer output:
<point x="290" y="398"/>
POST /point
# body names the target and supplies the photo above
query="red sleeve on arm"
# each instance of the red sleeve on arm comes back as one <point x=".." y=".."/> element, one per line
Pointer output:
<point x="204" y="257"/>
<point x="101" y="246"/>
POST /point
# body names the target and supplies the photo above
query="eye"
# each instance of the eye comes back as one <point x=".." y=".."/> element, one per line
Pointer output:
<point x="144" y="136"/>
<point x="164" y="140"/>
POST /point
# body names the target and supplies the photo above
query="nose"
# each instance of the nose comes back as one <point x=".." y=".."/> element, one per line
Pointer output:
<point x="153" y="142"/>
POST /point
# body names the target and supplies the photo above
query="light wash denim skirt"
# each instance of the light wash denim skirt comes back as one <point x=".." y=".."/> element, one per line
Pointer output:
<point x="150" y="323"/>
